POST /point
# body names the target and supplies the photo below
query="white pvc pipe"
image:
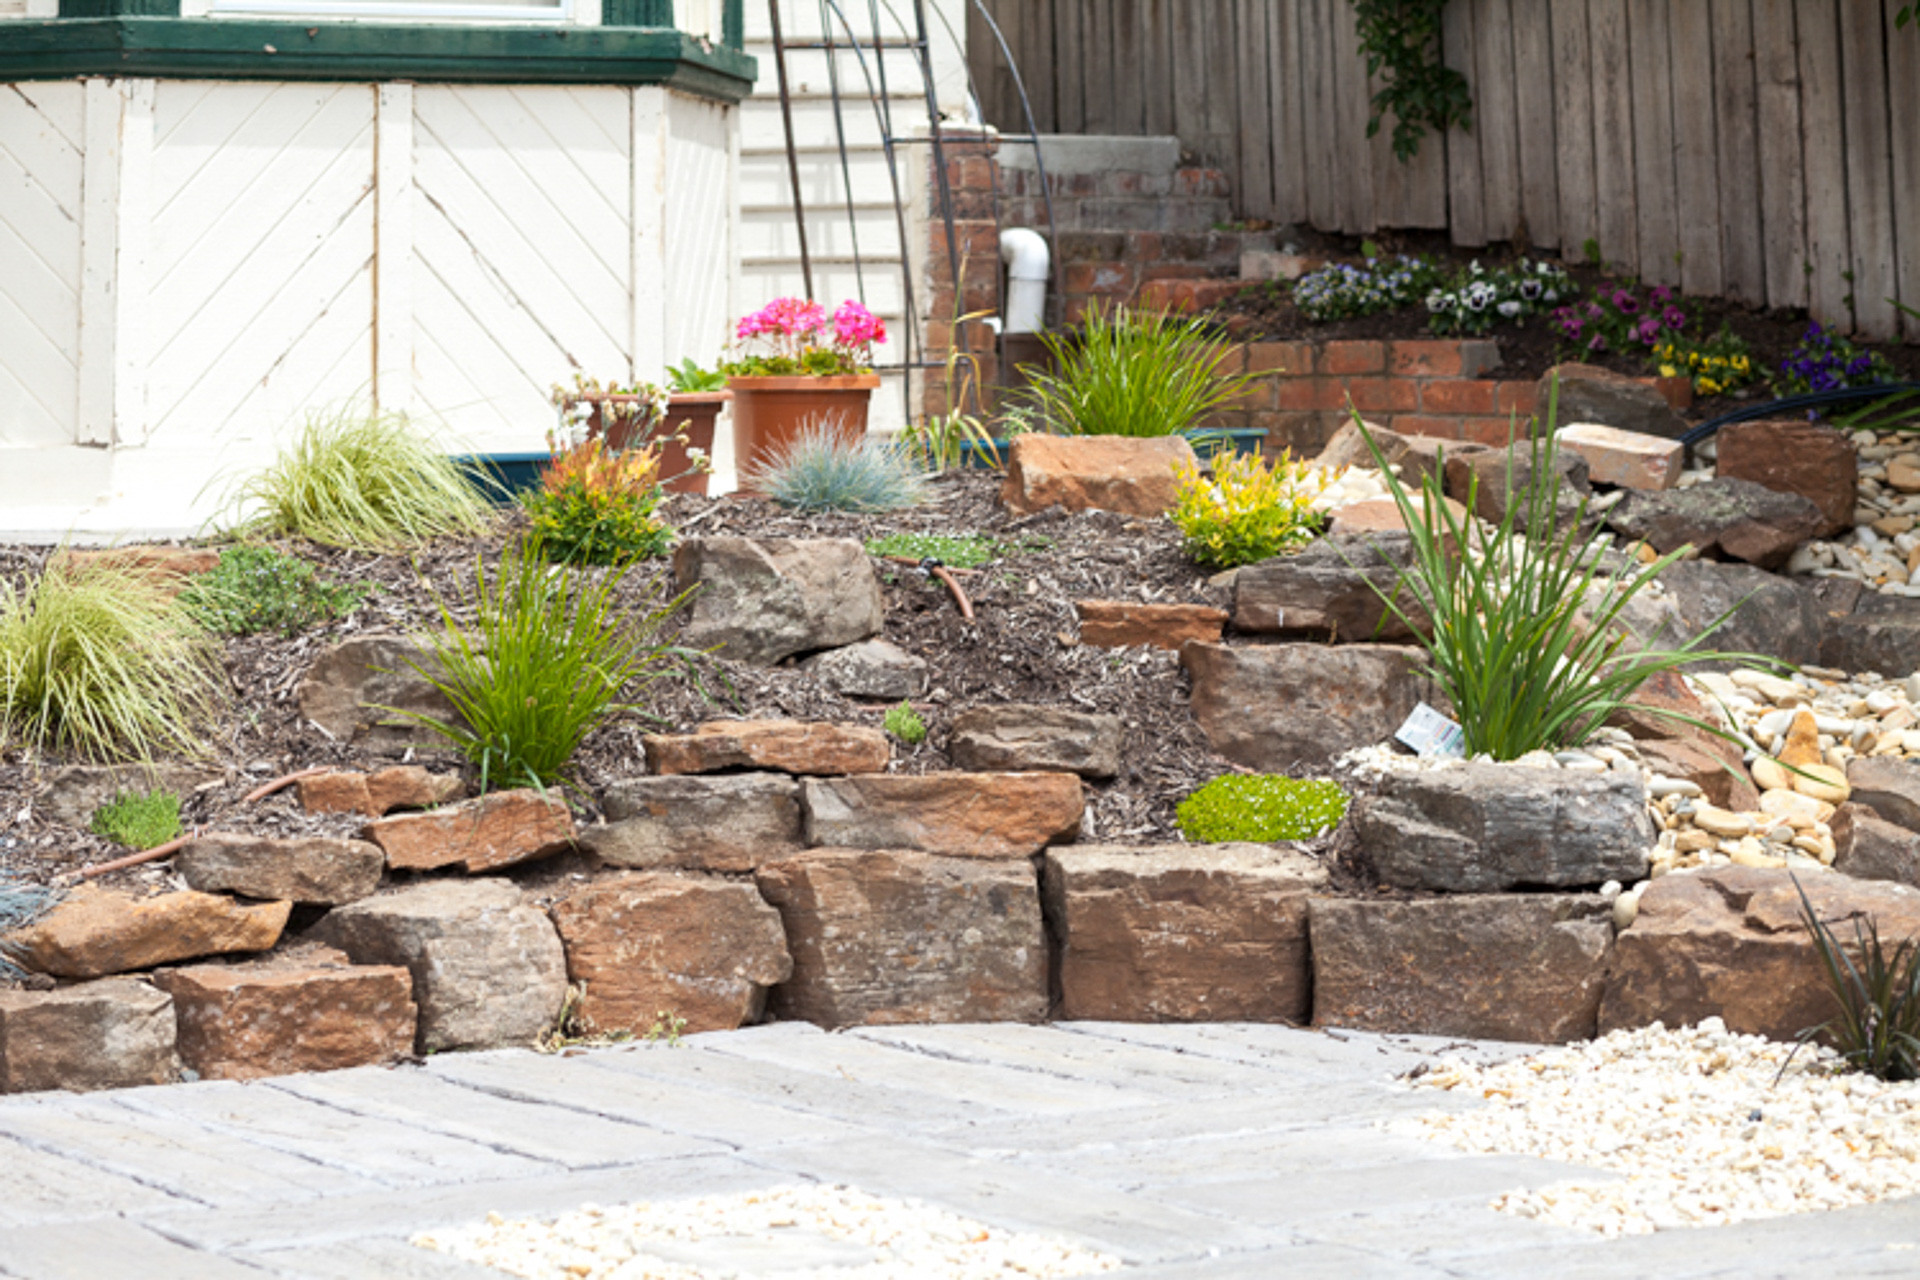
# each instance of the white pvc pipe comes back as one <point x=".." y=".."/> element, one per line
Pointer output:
<point x="1028" y="269"/>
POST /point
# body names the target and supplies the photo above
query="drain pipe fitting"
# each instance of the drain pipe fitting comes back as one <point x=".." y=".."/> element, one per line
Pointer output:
<point x="1027" y="257"/>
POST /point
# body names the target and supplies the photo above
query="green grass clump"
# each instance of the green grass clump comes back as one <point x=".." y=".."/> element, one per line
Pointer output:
<point x="904" y="723"/>
<point x="1260" y="807"/>
<point x="1878" y="1027"/>
<point x="549" y="658"/>
<point x="256" y="588"/>
<point x="822" y="470"/>
<point x="99" y="660"/>
<point x="138" y="821"/>
<point x="364" y="481"/>
<point x="956" y="551"/>
<point x="1133" y="373"/>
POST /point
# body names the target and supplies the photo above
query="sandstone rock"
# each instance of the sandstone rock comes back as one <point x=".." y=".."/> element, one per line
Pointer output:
<point x="870" y="669"/>
<point x="785" y="746"/>
<point x="169" y="567"/>
<point x="1790" y="456"/>
<point x="1765" y="614"/>
<point x="1713" y="772"/>
<point x="317" y="869"/>
<point x="94" y="932"/>
<point x="1625" y="459"/>
<point x="1729" y="943"/>
<point x="1333" y="588"/>
<point x="1016" y="737"/>
<point x="1890" y="787"/>
<point x="402" y="786"/>
<point x="76" y="791"/>
<point x="759" y="602"/>
<point x="277" y="1017"/>
<point x="1868" y="847"/>
<point x="967" y="815"/>
<point x="1736" y="517"/>
<point x="1119" y="624"/>
<point x="479" y="835"/>
<point x="1527" y="967"/>
<point x="1182" y="933"/>
<point x="1285" y="707"/>
<point x="1882" y="634"/>
<point x="112" y="1034"/>
<point x="1347" y="447"/>
<point x="1656" y="715"/>
<point x="1588" y="393"/>
<point x="733" y="822"/>
<point x="488" y="970"/>
<point x="1426" y="459"/>
<point x="1382" y="515"/>
<point x="647" y="943"/>
<point x="1497" y="479"/>
<point x="352" y="678"/>
<point x="1112" y="473"/>
<point x="1484" y="828"/>
<point x="889" y="937"/>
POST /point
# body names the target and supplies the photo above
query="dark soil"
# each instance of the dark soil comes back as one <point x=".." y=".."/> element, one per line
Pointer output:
<point x="1267" y="313"/>
<point x="1021" y="648"/>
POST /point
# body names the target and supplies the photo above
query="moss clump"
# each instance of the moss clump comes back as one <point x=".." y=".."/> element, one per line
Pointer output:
<point x="904" y="723"/>
<point x="139" y="821"/>
<point x="1261" y="807"/>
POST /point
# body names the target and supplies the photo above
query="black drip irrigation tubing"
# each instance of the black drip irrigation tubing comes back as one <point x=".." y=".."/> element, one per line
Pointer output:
<point x="1794" y="406"/>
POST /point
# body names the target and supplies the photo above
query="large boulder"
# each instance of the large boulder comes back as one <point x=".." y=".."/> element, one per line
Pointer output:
<point x="1495" y="482"/>
<point x="1484" y="828"/>
<point x="323" y="870"/>
<point x="728" y="822"/>
<point x="1868" y="847"/>
<point x="75" y="792"/>
<point x="1019" y="736"/>
<point x="1527" y="967"/>
<point x="94" y="932"/>
<point x="785" y="746"/>
<point x="312" y="1012"/>
<point x="1792" y="456"/>
<point x="1285" y="707"/>
<point x="1730" y="943"/>
<point x="870" y="669"/>
<point x="1624" y="459"/>
<point x="1588" y="393"/>
<point x="353" y="679"/>
<point x="1737" y="518"/>
<point x="113" y="1034"/>
<point x="488" y="970"/>
<point x="484" y="834"/>
<point x="647" y="944"/>
<point x="967" y="815"/>
<point x="1333" y="587"/>
<point x="1134" y="477"/>
<point x="1764" y="613"/>
<point x="1181" y="933"/>
<point x="1121" y="624"/>
<point x="761" y="601"/>
<point x="1418" y="457"/>
<point x="1881" y="633"/>
<point x="888" y="937"/>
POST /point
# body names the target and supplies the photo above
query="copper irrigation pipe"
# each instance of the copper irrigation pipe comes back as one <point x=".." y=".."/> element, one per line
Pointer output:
<point x="266" y="789"/>
<point x="945" y="575"/>
<point x="135" y="859"/>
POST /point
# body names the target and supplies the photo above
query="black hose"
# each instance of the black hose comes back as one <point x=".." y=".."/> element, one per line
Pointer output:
<point x="1792" y="406"/>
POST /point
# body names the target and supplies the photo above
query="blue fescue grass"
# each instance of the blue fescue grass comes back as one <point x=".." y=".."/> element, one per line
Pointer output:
<point x="822" y="470"/>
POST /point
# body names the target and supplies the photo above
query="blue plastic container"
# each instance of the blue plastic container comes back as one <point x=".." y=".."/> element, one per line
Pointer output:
<point x="503" y="477"/>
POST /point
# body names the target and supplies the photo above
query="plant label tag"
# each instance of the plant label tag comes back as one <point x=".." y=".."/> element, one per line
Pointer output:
<point x="1428" y="733"/>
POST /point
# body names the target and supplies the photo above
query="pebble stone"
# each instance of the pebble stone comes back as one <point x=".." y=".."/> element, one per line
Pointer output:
<point x="1883" y="548"/>
<point x="1694" y="1121"/>
<point x="870" y="1238"/>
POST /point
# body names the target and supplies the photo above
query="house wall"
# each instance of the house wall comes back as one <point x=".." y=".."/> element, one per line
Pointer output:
<point x="201" y="263"/>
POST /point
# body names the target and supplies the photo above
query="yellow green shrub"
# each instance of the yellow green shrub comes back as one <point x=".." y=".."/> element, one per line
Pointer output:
<point x="1247" y="510"/>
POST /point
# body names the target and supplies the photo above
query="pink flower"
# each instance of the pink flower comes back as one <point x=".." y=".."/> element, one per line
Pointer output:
<point x="855" y="326"/>
<point x="1624" y="302"/>
<point x="1674" y="318"/>
<point x="1661" y="295"/>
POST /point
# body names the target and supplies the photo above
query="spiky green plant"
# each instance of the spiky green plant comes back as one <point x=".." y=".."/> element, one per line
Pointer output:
<point x="1527" y="638"/>
<point x="99" y="660"/>
<point x="551" y="656"/>
<point x="1134" y="373"/>
<point x="822" y="470"/>
<point x="362" y="480"/>
<point x="1878" y="1027"/>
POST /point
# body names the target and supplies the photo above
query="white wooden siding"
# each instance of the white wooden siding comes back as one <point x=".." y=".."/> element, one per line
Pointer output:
<point x="41" y="128"/>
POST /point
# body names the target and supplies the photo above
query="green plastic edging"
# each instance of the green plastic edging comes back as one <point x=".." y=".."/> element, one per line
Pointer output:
<point x="222" y="49"/>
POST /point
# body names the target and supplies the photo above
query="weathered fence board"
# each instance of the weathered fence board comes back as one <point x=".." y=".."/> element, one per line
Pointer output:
<point x="1767" y="150"/>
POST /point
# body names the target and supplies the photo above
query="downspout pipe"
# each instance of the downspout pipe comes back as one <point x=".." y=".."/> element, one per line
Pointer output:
<point x="1028" y="260"/>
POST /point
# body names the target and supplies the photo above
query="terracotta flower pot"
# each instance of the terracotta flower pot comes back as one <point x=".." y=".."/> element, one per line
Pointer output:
<point x="770" y="412"/>
<point x="692" y="414"/>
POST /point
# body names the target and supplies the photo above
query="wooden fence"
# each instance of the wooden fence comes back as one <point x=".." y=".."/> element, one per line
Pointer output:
<point x="1764" y="150"/>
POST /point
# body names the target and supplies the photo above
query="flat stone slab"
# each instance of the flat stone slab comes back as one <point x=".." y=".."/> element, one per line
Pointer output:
<point x="484" y="834"/>
<point x="781" y="746"/>
<point x="726" y="822"/>
<point x="969" y="815"/>
<point x="323" y="870"/>
<point x="95" y="932"/>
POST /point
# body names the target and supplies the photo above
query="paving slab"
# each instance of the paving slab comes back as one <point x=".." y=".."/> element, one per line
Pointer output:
<point x="115" y="1248"/>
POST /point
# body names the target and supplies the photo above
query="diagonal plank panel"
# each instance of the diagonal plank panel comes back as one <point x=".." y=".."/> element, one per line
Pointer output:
<point x="40" y="182"/>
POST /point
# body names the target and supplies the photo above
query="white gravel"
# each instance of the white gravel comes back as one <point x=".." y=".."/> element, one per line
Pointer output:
<point x="852" y="1235"/>
<point x="1694" y="1120"/>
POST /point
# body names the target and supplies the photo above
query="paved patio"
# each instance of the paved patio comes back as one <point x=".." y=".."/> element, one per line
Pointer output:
<point x="1193" y="1151"/>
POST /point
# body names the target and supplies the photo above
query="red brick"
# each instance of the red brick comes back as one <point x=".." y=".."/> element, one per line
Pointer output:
<point x="1465" y="395"/>
<point x="1478" y="357"/>
<point x="1498" y="432"/>
<point x="1301" y="434"/>
<point x="1384" y="395"/>
<point x="1098" y="277"/>
<point x="1517" y="397"/>
<point x="1200" y="182"/>
<point x="1420" y="424"/>
<point x="1173" y="271"/>
<point x="1143" y="245"/>
<point x="1677" y="390"/>
<point x="1212" y="293"/>
<point x="1260" y="393"/>
<point x="1310" y="393"/>
<point x="1345" y="358"/>
<point x="1280" y="357"/>
<point x="1425" y="358"/>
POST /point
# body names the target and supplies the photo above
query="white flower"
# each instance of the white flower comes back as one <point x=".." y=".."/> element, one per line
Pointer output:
<point x="1509" y="308"/>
